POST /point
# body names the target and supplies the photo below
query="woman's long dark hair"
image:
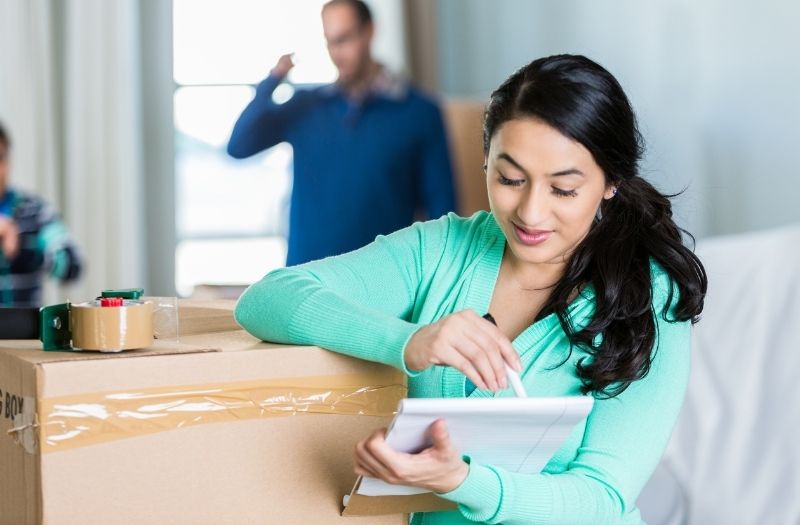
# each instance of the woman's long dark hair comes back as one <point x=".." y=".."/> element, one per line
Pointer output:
<point x="583" y="101"/>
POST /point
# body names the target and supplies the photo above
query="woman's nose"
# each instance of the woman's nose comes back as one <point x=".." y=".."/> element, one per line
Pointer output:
<point x="534" y="206"/>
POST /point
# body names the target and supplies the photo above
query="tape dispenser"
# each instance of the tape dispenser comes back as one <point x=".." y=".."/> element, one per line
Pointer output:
<point x="117" y="320"/>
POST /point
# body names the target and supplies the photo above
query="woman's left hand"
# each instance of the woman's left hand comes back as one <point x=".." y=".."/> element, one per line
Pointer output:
<point x="439" y="468"/>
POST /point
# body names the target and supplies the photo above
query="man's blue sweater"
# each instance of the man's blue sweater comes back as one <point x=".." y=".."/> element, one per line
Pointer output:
<point x="360" y="169"/>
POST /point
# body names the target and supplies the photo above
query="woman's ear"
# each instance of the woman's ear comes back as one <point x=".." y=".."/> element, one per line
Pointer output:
<point x="610" y="192"/>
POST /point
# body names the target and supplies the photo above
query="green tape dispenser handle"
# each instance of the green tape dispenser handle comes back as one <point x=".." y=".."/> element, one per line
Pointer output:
<point x="54" y="329"/>
<point x="125" y="293"/>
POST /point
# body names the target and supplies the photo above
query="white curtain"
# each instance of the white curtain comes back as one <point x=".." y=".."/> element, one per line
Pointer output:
<point x="27" y="98"/>
<point x="70" y="95"/>
<point x="389" y="45"/>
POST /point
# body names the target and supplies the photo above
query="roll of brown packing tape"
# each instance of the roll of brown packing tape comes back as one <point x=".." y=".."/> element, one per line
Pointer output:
<point x="111" y="329"/>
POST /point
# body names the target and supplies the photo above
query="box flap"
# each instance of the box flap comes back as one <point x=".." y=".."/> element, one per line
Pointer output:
<point x="361" y="505"/>
<point x="203" y="317"/>
<point x="30" y="350"/>
<point x="231" y="341"/>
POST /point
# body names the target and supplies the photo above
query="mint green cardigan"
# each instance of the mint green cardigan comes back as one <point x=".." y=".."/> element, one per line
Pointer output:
<point x="369" y="302"/>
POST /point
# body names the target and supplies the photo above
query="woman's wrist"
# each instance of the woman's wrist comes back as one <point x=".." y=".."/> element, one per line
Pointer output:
<point x="454" y="480"/>
<point x="410" y="358"/>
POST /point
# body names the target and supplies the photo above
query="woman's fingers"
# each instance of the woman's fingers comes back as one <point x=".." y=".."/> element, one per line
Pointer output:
<point x="366" y="467"/>
<point x="440" y="436"/>
<point x="480" y="359"/>
<point x="510" y="356"/>
<point x="439" y="467"/>
<point x="490" y="348"/>
<point x="503" y="344"/>
<point x="387" y="464"/>
<point x="463" y="364"/>
<point x="362" y="469"/>
<point x="467" y="342"/>
<point x="367" y="460"/>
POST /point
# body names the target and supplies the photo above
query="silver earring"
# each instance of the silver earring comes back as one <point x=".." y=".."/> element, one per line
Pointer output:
<point x="614" y="192"/>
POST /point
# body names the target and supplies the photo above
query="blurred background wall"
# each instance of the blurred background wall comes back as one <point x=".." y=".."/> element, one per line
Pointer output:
<point x="715" y="85"/>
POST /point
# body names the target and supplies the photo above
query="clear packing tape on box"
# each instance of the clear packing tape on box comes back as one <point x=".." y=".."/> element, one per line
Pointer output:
<point x="64" y="423"/>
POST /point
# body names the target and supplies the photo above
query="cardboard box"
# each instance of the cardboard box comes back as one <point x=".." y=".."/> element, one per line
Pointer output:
<point x="464" y="122"/>
<point x="219" y="428"/>
<point x="203" y="317"/>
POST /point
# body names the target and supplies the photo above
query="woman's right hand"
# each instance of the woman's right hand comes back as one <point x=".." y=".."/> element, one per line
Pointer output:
<point x="467" y="342"/>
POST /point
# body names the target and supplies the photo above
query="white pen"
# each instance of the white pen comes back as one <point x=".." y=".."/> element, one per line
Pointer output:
<point x="511" y="374"/>
<point x="515" y="381"/>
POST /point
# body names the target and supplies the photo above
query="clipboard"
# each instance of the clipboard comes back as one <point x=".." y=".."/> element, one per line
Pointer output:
<point x="514" y="434"/>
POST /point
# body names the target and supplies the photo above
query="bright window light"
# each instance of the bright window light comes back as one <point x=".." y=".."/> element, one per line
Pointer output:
<point x="238" y="41"/>
<point x="245" y="261"/>
<point x="232" y="215"/>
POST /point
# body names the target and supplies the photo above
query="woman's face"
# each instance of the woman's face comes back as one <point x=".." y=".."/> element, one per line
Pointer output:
<point x="544" y="190"/>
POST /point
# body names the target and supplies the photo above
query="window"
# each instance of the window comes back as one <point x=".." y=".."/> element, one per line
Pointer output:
<point x="232" y="214"/>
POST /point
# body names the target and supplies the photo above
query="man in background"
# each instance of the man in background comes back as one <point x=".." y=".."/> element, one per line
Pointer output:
<point x="33" y="241"/>
<point x="370" y="153"/>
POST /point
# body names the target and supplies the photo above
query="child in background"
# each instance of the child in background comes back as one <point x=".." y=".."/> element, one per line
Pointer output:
<point x="33" y="241"/>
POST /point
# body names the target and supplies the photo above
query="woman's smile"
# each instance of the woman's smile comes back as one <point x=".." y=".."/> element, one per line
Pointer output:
<point x="531" y="237"/>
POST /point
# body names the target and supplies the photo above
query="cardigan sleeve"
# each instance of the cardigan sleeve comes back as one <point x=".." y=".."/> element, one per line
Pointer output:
<point x="358" y="304"/>
<point x="623" y="441"/>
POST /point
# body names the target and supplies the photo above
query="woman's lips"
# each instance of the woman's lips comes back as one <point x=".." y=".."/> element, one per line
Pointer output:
<point x="531" y="237"/>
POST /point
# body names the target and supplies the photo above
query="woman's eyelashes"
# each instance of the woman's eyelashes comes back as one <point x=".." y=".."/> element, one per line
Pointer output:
<point x="564" y="193"/>
<point x="518" y="182"/>
<point x="510" y="182"/>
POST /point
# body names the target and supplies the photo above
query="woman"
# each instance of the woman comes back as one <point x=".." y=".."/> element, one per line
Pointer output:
<point x="582" y="267"/>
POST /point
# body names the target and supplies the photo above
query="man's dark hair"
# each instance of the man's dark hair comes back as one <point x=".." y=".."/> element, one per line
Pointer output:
<point x="5" y="140"/>
<point x="361" y="9"/>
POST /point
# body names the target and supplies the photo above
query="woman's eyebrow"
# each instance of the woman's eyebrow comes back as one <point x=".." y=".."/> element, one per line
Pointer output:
<point x="571" y="171"/>
<point x="508" y="158"/>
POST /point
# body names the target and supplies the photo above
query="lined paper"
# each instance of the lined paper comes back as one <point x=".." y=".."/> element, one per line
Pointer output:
<point x="515" y="434"/>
